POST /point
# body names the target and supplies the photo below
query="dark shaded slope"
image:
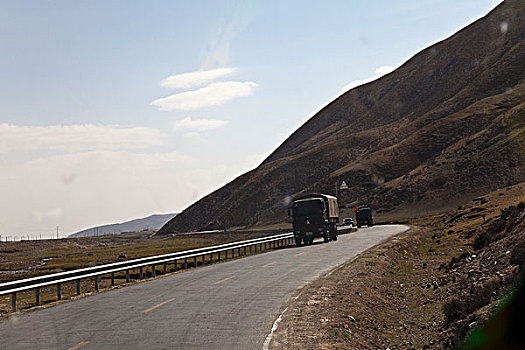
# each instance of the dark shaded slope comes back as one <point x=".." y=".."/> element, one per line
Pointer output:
<point x="398" y="141"/>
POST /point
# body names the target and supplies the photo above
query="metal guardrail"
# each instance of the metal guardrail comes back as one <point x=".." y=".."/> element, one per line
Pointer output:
<point x="184" y="257"/>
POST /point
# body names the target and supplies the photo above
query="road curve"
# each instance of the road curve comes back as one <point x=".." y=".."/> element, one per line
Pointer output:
<point x="223" y="306"/>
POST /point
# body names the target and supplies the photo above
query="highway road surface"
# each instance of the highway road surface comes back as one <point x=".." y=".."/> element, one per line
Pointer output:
<point x="231" y="305"/>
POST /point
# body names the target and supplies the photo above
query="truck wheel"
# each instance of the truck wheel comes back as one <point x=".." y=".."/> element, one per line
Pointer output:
<point x="333" y="232"/>
<point x="326" y="238"/>
<point x="358" y="225"/>
<point x="298" y="242"/>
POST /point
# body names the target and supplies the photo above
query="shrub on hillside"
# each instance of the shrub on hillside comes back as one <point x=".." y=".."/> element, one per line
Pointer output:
<point x="463" y="305"/>
<point x="518" y="255"/>
<point x="505" y="223"/>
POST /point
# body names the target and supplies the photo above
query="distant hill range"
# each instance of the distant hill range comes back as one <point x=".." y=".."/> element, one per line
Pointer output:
<point x="153" y="222"/>
<point x="445" y="127"/>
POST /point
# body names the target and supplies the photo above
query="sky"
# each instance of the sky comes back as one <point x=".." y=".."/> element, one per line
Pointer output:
<point x="115" y="110"/>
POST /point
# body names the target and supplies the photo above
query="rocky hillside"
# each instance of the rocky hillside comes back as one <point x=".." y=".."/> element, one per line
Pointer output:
<point x="446" y="126"/>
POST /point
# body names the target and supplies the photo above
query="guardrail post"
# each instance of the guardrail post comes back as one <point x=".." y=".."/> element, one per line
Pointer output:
<point x="238" y="252"/>
<point x="250" y="248"/>
<point x="78" y="287"/>
<point x="112" y="279"/>
<point x="226" y="254"/>
<point x="244" y="251"/>
<point x="164" y="267"/>
<point x="96" y="283"/>
<point x="13" y="301"/>
<point x="141" y="274"/>
<point x="127" y="275"/>
<point x="194" y="261"/>
<point x="185" y="263"/>
<point x="37" y="296"/>
<point x="175" y="265"/>
<point x="153" y="272"/>
<point x="59" y="291"/>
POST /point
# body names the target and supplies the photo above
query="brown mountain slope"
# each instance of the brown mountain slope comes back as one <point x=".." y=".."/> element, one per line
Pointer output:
<point x="445" y="126"/>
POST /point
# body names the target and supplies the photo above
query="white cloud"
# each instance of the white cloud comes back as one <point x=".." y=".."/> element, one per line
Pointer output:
<point x="48" y="214"/>
<point x="379" y="72"/>
<point x="194" y="79"/>
<point x="383" y="70"/>
<point x="193" y="126"/>
<point x="75" y="138"/>
<point x="109" y="186"/>
<point x="195" y="138"/>
<point x="238" y="15"/>
<point x="211" y="95"/>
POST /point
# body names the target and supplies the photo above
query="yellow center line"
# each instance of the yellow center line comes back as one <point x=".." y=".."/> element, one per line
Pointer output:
<point x="270" y="264"/>
<point x="228" y="278"/>
<point x="299" y="254"/>
<point x="78" y="346"/>
<point x="158" y="305"/>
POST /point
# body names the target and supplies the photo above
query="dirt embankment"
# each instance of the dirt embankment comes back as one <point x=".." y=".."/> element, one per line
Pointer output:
<point x="423" y="289"/>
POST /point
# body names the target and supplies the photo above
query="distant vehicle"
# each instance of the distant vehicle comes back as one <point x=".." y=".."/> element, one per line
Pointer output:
<point x="348" y="222"/>
<point x="363" y="216"/>
<point x="314" y="215"/>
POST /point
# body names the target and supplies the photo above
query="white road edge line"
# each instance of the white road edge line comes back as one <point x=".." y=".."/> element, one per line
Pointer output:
<point x="274" y="328"/>
<point x="270" y="264"/>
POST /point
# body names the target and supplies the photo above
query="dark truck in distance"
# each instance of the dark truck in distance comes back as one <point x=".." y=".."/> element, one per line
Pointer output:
<point x="363" y="216"/>
<point x="314" y="215"/>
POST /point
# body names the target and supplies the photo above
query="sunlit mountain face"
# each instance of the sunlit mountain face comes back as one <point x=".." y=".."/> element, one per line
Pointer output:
<point x="445" y="127"/>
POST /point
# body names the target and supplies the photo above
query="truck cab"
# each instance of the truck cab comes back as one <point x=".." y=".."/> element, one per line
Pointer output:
<point x="363" y="216"/>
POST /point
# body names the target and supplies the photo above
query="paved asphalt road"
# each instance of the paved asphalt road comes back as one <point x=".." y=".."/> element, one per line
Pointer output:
<point x="223" y="306"/>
